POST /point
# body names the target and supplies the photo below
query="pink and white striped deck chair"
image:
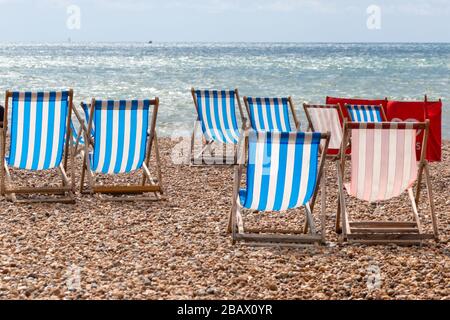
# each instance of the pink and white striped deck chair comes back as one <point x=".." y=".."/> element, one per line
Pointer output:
<point x="327" y="118"/>
<point x="383" y="167"/>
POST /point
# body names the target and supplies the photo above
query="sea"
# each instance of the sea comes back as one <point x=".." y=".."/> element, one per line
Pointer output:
<point x="306" y="71"/>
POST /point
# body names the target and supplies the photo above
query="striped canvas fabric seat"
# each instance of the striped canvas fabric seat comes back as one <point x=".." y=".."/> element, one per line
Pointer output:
<point x="325" y="118"/>
<point x="383" y="167"/>
<point x="383" y="161"/>
<point x="269" y="114"/>
<point x="120" y="135"/>
<point x="282" y="170"/>
<point x="216" y="112"/>
<point x="38" y="129"/>
<point x="362" y="113"/>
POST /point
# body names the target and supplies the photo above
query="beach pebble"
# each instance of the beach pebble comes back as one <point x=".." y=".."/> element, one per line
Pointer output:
<point x="179" y="248"/>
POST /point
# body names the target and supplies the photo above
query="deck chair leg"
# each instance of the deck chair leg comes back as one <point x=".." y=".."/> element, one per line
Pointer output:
<point x="72" y="168"/>
<point x="83" y="173"/>
<point x="67" y="146"/>
<point x="150" y="179"/>
<point x="86" y="168"/>
<point x="65" y="180"/>
<point x="239" y="221"/>
<point x="158" y="164"/>
<point x="146" y="165"/>
<point x="233" y="223"/>
<point x="230" y="221"/>
<point x="415" y="210"/>
<point x="8" y="181"/>
<point x="323" y="205"/>
<point x="310" y="219"/>
<point x="151" y="142"/>
<point x="306" y="227"/>
<point x="2" y="171"/>
<point x="338" y="218"/>
<point x="191" y="151"/>
<point x="419" y="183"/>
<point x="431" y="203"/>
<point x="342" y="211"/>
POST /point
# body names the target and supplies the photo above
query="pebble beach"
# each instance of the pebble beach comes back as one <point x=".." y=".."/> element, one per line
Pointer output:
<point x="179" y="248"/>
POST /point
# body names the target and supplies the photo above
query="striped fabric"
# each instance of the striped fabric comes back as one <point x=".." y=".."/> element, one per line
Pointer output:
<point x="120" y="135"/>
<point x="326" y="119"/>
<point x="282" y="170"/>
<point x="361" y="113"/>
<point x="383" y="161"/>
<point x="216" y="111"/>
<point x="269" y="114"/>
<point x="38" y="129"/>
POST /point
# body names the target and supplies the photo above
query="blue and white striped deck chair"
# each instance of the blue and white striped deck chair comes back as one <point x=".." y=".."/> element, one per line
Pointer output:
<point x="284" y="171"/>
<point x="365" y="113"/>
<point x="271" y="114"/>
<point x="123" y="138"/>
<point x="40" y="127"/>
<point x="216" y="110"/>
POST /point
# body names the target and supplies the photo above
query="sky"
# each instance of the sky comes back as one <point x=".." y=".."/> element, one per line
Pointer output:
<point x="225" y="20"/>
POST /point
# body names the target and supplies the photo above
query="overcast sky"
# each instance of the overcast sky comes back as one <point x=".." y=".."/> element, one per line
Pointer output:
<point x="224" y="20"/>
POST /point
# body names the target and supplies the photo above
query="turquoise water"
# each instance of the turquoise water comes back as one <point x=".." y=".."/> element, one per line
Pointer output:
<point x="308" y="72"/>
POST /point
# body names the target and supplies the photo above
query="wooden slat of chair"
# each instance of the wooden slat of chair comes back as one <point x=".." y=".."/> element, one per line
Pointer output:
<point x="393" y="236"/>
<point x="126" y="189"/>
<point x="384" y="230"/>
<point x="279" y="238"/>
<point x="382" y="224"/>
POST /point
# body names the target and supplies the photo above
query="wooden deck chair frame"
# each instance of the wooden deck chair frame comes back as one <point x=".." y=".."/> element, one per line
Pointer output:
<point x="383" y="232"/>
<point x="382" y="113"/>
<point x="336" y="157"/>
<point x="208" y="145"/>
<point x="132" y="192"/>
<point x="64" y="192"/>
<point x="291" y="107"/>
<point x="76" y="138"/>
<point x="83" y="127"/>
<point x="274" y="237"/>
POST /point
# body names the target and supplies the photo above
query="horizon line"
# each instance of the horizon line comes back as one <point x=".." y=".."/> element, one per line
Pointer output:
<point x="68" y="41"/>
